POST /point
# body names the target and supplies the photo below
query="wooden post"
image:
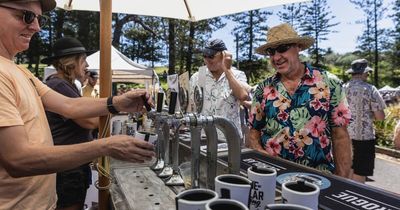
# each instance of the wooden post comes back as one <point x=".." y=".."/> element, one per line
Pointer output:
<point x="105" y="90"/>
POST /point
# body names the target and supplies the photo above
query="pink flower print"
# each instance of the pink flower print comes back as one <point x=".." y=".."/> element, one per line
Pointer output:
<point x="316" y="104"/>
<point x="315" y="126"/>
<point x="301" y="137"/>
<point x="316" y="78"/>
<point x="320" y="91"/>
<point x="270" y="93"/>
<point x="282" y="103"/>
<point x="341" y="115"/>
<point x="273" y="147"/>
<point x="298" y="152"/>
<point x="283" y="116"/>
<point x="325" y="106"/>
<point x="323" y="141"/>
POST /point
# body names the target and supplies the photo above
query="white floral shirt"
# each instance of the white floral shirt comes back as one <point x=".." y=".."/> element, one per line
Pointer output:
<point x="218" y="96"/>
<point x="364" y="99"/>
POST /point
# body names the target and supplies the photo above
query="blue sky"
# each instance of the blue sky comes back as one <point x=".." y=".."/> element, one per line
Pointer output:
<point x="345" y="40"/>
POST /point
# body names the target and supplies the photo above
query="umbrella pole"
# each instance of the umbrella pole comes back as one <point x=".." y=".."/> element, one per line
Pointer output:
<point x="105" y="91"/>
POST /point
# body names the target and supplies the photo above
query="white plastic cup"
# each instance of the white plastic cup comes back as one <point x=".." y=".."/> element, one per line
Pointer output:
<point x="194" y="199"/>
<point x="225" y="204"/>
<point x="262" y="188"/>
<point x="301" y="193"/>
<point x="231" y="186"/>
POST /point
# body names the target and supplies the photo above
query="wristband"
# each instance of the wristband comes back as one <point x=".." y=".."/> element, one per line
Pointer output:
<point x="110" y="106"/>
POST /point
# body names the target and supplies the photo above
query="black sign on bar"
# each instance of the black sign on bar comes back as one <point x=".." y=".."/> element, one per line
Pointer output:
<point x="339" y="193"/>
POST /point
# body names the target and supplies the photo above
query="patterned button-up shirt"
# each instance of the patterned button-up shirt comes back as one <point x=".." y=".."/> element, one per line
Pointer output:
<point x="364" y="99"/>
<point x="218" y="96"/>
<point x="298" y="127"/>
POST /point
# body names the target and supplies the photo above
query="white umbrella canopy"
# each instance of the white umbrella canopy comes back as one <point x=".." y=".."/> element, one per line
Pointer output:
<point x="191" y="10"/>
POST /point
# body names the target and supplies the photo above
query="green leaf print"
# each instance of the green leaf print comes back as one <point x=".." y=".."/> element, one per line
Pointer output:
<point x="273" y="127"/>
<point x="299" y="117"/>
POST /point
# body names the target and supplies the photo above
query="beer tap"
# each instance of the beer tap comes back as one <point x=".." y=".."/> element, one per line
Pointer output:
<point x="157" y="117"/>
<point x="166" y="124"/>
<point x="210" y="123"/>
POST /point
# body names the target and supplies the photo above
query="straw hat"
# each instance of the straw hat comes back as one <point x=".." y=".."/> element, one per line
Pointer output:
<point x="284" y="34"/>
<point x="47" y="5"/>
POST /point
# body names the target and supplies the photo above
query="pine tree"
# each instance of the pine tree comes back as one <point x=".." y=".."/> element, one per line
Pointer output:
<point x="317" y="23"/>
<point x="292" y="14"/>
<point x="250" y="29"/>
<point x="373" y="39"/>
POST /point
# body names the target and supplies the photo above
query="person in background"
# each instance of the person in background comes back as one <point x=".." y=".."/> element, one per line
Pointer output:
<point x="366" y="105"/>
<point x="300" y="113"/>
<point x="91" y="87"/>
<point x="223" y="86"/>
<point x="28" y="158"/>
<point x="70" y="65"/>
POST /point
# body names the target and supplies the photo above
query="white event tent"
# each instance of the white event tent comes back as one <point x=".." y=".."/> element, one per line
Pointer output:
<point x="123" y="69"/>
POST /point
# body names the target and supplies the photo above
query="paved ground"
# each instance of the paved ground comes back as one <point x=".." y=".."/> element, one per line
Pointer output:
<point x="386" y="173"/>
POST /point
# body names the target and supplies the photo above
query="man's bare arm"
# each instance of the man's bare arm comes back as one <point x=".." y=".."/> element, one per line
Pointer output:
<point x="342" y="151"/>
<point x="21" y="158"/>
<point x="254" y="141"/>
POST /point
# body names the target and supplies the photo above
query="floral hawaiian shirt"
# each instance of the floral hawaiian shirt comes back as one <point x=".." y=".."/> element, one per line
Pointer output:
<point x="298" y="127"/>
<point x="364" y="99"/>
<point x="218" y="96"/>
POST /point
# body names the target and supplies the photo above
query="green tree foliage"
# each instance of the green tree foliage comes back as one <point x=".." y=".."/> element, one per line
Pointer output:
<point x="373" y="40"/>
<point x="292" y="14"/>
<point x="317" y="23"/>
<point x="393" y="55"/>
<point x="250" y="28"/>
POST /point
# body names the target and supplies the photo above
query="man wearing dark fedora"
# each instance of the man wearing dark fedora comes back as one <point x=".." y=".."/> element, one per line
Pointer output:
<point x="28" y="158"/>
<point x="300" y="113"/>
<point x="366" y="105"/>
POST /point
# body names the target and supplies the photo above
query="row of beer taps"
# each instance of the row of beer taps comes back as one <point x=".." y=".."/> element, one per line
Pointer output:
<point x="167" y="162"/>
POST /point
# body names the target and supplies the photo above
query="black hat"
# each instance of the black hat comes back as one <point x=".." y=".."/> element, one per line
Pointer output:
<point x="47" y="5"/>
<point x="64" y="47"/>
<point x="359" y="66"/>
<point x="214" y="46"/>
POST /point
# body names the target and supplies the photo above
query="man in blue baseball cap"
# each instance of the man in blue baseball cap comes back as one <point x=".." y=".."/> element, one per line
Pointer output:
<point x="223" y="87"/>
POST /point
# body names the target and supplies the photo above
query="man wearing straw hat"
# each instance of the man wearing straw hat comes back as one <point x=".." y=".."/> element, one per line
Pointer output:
<point x="366" y="105"/>
<point x="28" y="159"/>
<point x="301" y="112"/>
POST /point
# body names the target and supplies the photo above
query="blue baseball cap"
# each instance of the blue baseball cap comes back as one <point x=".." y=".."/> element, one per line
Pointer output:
<point x="214" y="46"/>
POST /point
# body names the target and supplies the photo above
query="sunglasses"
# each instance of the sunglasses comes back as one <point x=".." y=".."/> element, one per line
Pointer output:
<point x="28" y="16"/>
<point x="280" y="49"/>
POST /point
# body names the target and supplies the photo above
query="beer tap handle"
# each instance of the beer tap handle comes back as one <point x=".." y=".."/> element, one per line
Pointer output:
<point x="160" y="99"/>
<point x="172" y="103"/>
<point x="146" y="103"/>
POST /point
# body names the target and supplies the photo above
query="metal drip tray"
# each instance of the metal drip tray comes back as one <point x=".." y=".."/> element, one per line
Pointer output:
<point x="143" y="189"/>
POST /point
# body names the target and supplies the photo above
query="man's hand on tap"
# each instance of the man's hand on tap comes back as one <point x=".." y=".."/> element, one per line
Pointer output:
<point x="132" y="101"/>
<point x="127" y="148"/>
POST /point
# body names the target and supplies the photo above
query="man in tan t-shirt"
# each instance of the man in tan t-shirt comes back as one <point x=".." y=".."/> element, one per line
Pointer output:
<point x="28" y="159"/>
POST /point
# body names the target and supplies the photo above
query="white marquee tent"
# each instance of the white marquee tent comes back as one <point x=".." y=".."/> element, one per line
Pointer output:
<point x="123" y="69"/>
